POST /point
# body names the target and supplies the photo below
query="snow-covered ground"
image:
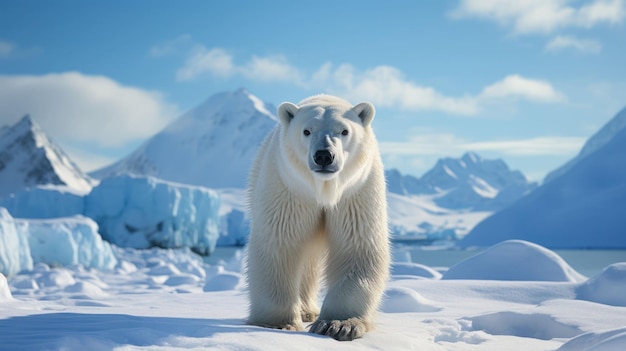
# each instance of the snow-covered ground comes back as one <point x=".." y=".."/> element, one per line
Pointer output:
<point x="171" y="300"/>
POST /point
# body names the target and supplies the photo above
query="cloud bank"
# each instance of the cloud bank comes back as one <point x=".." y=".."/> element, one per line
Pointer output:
<point x="543" y="16"/>
<point x="436" y="144"/>
<point x="84" y="108"/>
<point x="383" y="85"/>
<point x="563" y="42"/>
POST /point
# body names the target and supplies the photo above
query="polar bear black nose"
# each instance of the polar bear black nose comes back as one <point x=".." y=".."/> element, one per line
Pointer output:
<point x="323" y="157"/>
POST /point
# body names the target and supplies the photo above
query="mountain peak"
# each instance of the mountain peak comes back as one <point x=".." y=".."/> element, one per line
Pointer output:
<point x="213" y="143"/>
<point x="29" y="158"/>
<point x="471" y="157"/>
<point x="466" y="182"/>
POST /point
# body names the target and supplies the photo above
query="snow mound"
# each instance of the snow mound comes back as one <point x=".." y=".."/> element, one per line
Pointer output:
<point x="86" y="290"/>
<point x="515" y="260"/>
<point x="55" y="278"/>
<point x="400" y="299"/>
<point x="5" y="292"/>
<point x="224" y="281"/>
<point x="607" y="340"/>
<point x="144" y="212"/>
<point x="414" y="269"/>
<point x="608" y="287"/>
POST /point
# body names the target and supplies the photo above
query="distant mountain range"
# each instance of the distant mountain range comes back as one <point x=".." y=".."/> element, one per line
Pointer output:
<point x="29" y="158"/>
<point x="469" y="182"/>
<point x="580" y="205"/>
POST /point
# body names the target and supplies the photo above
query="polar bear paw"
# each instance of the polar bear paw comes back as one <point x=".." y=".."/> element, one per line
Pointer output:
<point x="342" y="330"/>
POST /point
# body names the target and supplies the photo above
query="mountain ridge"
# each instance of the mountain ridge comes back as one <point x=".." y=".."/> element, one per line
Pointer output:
<point x="28" y="157"/>
<point x="223" y="132"/>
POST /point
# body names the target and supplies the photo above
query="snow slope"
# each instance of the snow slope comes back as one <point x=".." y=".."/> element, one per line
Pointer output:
<point x="582" y="208"/>
<point x="170" y="300"/>
<point x="29" y="158"/>
<point x="596" y="142"/>
<point x="211" y="145"/>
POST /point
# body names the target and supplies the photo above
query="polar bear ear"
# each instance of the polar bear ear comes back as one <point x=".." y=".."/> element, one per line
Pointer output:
<point x="286" y="112"/>
<point x="366" y="112"/>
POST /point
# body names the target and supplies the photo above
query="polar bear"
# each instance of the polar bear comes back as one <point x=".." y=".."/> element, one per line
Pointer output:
<point x="317" y="200"/>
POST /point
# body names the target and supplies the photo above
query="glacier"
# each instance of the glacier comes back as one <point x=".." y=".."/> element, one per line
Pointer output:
<point x="55" y="242"/>
<point x="132" y="211"/>
<point x="144" y="212"/>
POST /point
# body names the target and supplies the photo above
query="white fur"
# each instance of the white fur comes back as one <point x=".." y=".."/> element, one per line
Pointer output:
<point x="303" y="220"/>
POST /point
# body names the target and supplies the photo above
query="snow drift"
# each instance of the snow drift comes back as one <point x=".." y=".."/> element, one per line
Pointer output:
<point x="515" y="260"/>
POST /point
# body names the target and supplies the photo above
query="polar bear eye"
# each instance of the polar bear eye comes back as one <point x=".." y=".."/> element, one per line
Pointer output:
<point x="344" y="132"/>
<point x="306" y="132"/>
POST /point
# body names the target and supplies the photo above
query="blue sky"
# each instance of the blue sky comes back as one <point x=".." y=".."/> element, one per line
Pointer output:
<point x="526" y="81"/>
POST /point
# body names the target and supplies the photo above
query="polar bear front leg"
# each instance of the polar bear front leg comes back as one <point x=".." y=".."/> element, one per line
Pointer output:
<point x="357" y="270"/>
<point x="274" y="287"/>
<point x="309" y="286"/>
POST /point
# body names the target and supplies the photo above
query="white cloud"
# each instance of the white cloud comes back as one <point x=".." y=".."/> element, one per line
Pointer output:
<point x="6" y="49"/>
<point x="383" y="85"/>
<point x="543" y="16"/>
<point x="516" y="86"/>
<point x="201" y="61"/>
<point x="562" y="42"/>
<point x="437" y="144"/>
<point x="174" y="46"/>
<point x="271" y="68"/>
<point x="83" y="108"/>
<point x="386" y="86"/>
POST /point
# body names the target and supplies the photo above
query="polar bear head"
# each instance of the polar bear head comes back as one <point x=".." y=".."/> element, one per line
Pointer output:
<point x="327" y="142"/>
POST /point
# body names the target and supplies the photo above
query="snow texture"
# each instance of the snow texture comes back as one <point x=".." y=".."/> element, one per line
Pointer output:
<point x="170" y="299"/>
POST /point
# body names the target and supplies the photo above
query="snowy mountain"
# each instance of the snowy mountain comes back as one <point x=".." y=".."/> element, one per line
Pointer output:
<point x="29" y="158"/>
<point x="597" y="141"/>
<point x="581" y="208"/>
<point x="211" y="145"/>
<point x="469" y="182"/>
